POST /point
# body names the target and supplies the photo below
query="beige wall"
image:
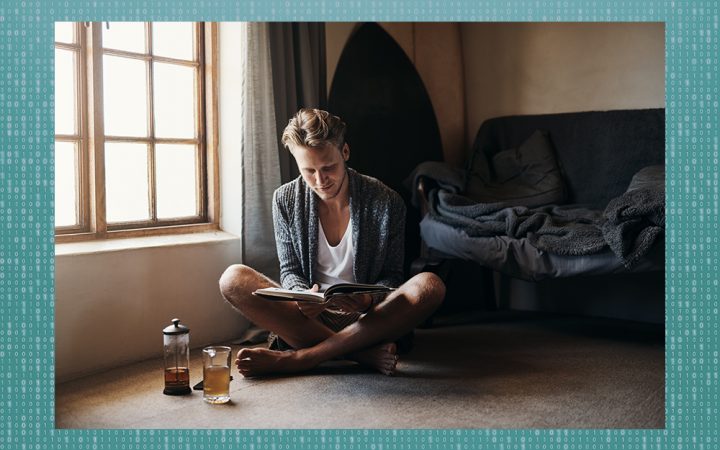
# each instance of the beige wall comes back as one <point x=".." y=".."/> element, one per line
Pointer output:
<point x="435" y="50"/>
<point x="475" y="71"/>
<point x="524" y="68"/>
<point x="111" y="306"/>
<point x="438" y="60"/>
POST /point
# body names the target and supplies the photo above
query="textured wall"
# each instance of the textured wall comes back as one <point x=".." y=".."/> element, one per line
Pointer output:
<point x="111" y="307"/>
<point x="474" y="71"/>
<point x="534" y="68"/>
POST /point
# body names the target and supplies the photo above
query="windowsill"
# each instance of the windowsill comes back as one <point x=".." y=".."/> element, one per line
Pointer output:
<point x="115" y="245"/>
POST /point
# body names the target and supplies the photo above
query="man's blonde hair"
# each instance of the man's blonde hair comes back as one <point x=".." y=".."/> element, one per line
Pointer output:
<point x="314" y="128"/>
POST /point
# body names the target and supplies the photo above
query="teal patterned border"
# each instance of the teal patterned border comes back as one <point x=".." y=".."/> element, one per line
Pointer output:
<point x="26" y="222"/>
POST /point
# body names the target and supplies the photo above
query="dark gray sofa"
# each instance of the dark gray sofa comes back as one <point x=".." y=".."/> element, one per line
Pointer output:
<point x="598" y="155"/>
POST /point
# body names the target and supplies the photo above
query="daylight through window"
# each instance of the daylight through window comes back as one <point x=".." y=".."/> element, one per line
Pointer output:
<point x="130" y="127"/>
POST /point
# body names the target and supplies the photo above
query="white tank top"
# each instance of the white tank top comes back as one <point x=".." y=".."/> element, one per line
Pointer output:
<point x="334" y="264"/>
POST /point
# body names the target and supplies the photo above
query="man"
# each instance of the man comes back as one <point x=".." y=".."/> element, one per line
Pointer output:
<point x="332" y="225"/>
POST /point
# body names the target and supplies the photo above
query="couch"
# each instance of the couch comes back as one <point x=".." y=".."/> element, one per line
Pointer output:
<point x="553" y="196"/>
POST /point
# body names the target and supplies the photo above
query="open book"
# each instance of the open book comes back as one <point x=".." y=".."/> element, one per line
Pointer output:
<point x="321" y="297"/>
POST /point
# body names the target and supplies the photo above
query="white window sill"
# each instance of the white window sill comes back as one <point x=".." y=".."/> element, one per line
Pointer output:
<point x="115" y="245"/>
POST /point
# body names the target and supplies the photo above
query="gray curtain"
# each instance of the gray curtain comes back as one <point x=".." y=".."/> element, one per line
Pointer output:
<point x="259" y="148"/>
<point x="299" y="76"/>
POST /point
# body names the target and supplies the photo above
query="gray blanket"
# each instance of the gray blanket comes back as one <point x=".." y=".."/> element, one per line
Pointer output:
<point x="633" y="222"/>
<point x="629" y="225"/>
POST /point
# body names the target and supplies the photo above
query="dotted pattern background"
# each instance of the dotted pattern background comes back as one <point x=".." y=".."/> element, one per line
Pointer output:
<point x="26" y="222"/>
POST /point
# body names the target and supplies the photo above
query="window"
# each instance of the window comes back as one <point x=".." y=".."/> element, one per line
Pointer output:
<point x="134" y="146"/>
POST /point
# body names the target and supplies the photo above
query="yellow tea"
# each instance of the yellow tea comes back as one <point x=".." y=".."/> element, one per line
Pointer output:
<point x="216" y="384"/>
<point x="177" y="380"/>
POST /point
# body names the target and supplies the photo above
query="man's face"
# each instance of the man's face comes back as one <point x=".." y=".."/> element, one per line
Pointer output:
<point x="323" y="168"/>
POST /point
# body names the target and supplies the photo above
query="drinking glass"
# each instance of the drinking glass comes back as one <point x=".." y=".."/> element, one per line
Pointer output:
<point x="216" y="374"/>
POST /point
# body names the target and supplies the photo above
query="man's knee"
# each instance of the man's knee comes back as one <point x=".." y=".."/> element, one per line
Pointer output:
<point x="428" y="289"/>
<point x="235" y="280"/>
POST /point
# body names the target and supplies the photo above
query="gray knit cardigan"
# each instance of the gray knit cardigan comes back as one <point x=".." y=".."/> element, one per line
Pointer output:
<point x="378" y="231"/>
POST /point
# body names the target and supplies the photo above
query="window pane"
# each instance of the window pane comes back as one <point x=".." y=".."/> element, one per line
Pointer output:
<point x="65" y="93"/>
<point x="176" y="180"/>
<point x="125" y="95"/>
<point x="174" y="90"/>
<point x="173" y="39"/>
<point x="128" y="36"/>
<point x="65" y="32"/>
<point x="66" y="184"/>
<point x="126" y="182"/>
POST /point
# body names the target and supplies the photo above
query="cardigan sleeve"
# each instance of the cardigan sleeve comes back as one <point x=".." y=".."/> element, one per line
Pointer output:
<point x="392" y="273"/>
<point x="291" y="274"/>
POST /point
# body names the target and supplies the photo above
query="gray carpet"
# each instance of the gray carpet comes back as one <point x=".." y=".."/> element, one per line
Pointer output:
<point x="536" y="372"/>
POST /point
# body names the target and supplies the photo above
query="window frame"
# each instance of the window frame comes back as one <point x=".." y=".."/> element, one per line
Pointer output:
<point x="80" y="137"/>
<point x="91" y="160"/>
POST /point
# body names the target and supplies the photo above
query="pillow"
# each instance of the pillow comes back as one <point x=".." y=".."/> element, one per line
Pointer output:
<point x="648" y="177"/>
<point x="528" y="175"/>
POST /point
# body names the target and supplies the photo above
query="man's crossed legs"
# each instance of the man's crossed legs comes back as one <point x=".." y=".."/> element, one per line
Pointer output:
<point x="369" y="341"/>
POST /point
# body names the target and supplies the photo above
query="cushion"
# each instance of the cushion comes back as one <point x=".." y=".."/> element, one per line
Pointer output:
<point x="648" y="177"/>
<point x="528" y="175"/>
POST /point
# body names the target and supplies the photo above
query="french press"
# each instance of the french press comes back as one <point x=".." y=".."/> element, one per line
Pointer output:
<point x="176" y="340"/>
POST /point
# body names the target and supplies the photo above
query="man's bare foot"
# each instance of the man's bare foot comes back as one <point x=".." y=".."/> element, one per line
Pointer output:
<point x="252" y="362"/>
<point x="382" y="357"/>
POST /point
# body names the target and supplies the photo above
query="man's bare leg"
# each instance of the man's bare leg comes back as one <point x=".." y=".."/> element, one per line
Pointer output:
<point x="399" y="313"/>
<point x="285" y="319"/>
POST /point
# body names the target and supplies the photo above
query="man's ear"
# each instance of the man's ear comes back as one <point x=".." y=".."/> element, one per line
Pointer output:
<point x="346" y="151"/>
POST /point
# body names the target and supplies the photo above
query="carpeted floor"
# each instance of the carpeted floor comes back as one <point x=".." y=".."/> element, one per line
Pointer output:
<point x="535" y="372"/>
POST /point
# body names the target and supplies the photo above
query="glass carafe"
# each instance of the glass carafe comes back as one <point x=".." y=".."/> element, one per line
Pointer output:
<point x="176" y="343"/>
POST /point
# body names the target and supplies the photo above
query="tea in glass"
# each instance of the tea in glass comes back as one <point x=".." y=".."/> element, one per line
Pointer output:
<point x="216" y="374"/>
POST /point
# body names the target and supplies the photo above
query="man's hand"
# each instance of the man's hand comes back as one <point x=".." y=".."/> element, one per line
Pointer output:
<point x="311" y="310"/>
<point x="353" y="302"/>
